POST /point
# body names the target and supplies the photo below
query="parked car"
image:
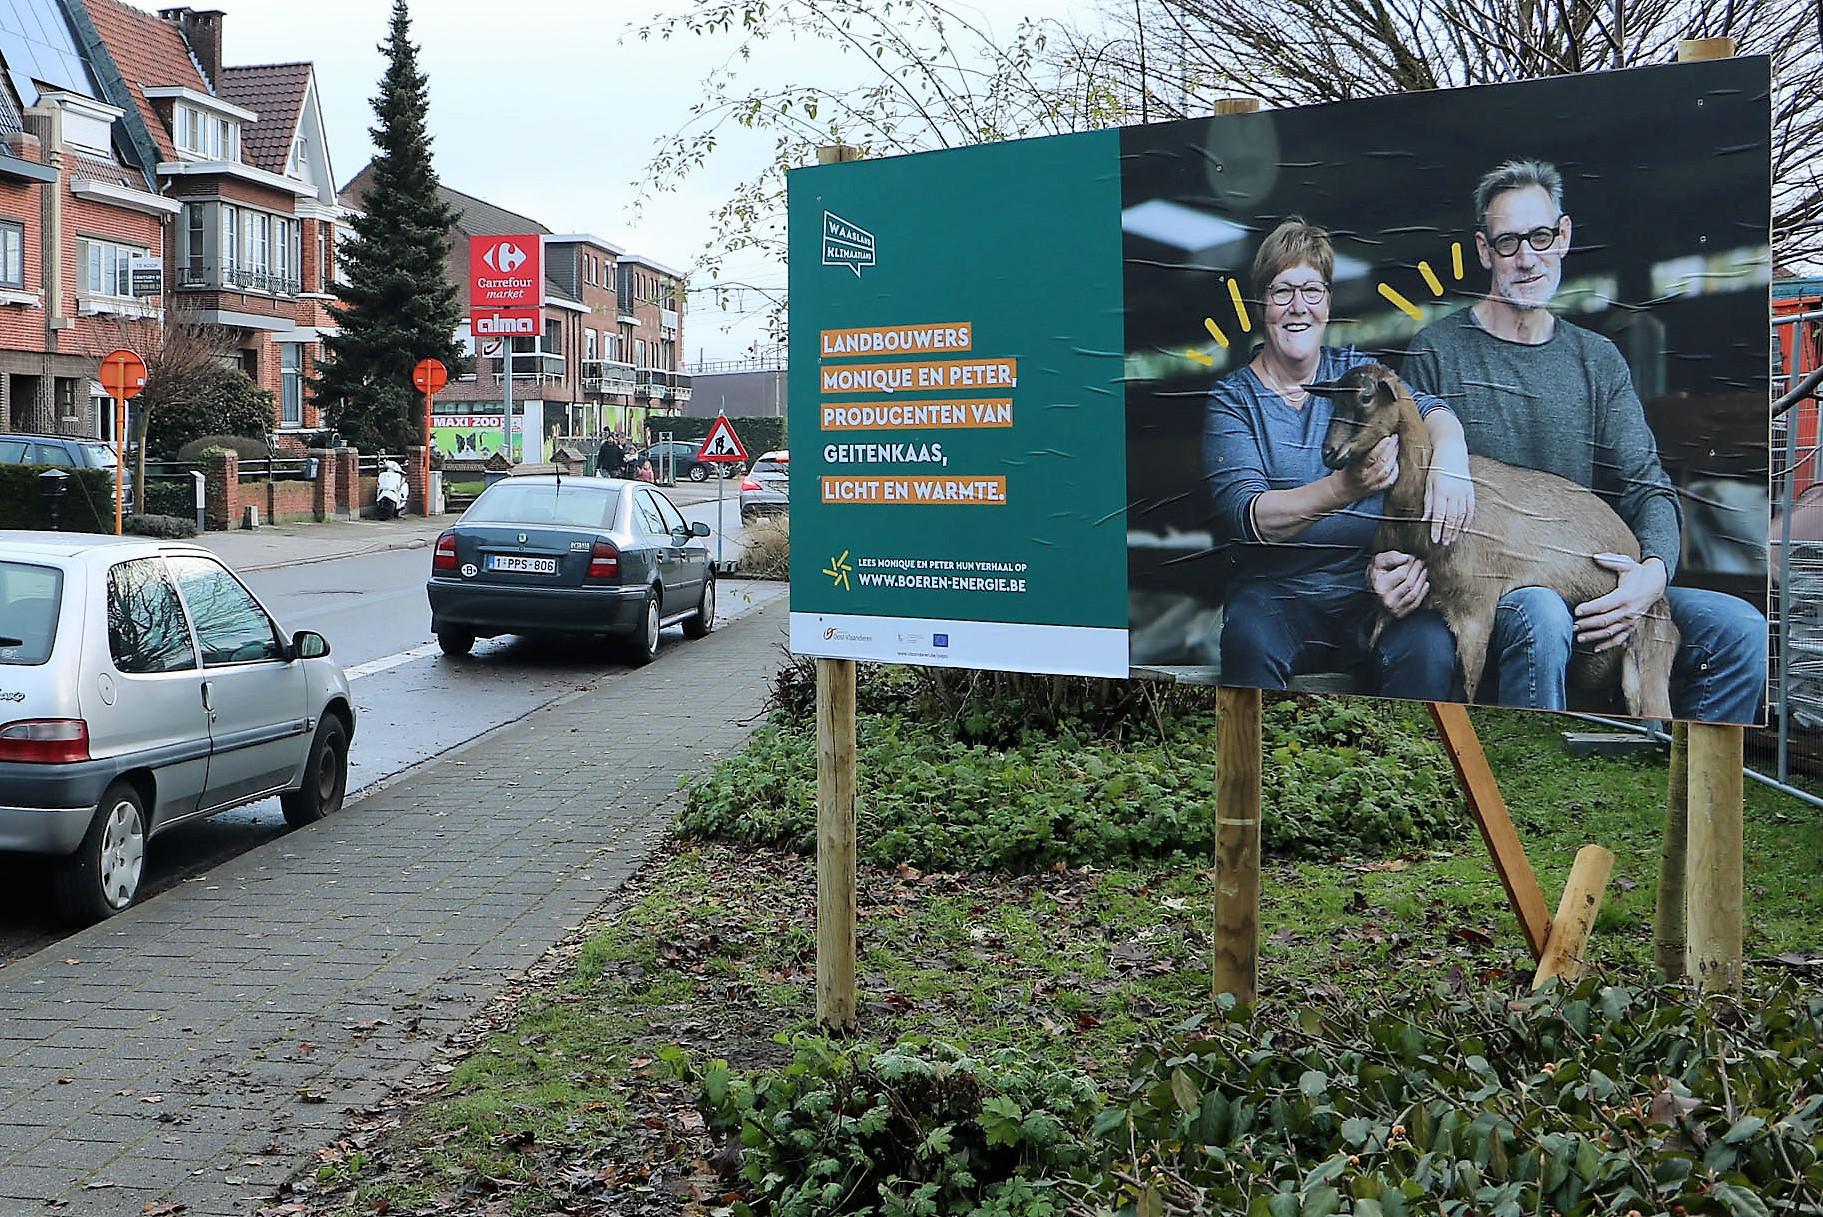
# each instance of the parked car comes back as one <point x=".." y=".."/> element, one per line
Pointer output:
<point x="66" y="451"/>
<point x="142" y="685"/>
<point x="683" y="454"/>
<point x="767" y="486"/>
<point x="554" y="555"/>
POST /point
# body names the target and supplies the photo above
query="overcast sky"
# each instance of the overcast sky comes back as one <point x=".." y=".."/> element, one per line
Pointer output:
<point x="539" y="106"/>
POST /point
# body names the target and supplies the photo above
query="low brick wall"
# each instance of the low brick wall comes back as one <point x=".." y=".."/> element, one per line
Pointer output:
<point x="287" y="501"/>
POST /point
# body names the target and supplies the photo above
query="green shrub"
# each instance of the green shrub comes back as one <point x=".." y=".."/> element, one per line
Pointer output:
<point x="217" y="401"/>
<point x="1342" y="779"/>
<point x="87" y="504"/>
<point x="159" y="526"/>
<point x="914" y="1131"/>
<point x="170" y="497"/>
<point x="204" y="446"/>
<point x="1592" y="1100"/>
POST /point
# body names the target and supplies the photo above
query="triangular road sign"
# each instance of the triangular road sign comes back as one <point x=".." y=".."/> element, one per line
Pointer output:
<point x="721" y="444"/>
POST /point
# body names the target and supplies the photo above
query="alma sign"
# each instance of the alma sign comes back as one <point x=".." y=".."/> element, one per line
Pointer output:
<point x="506" y="285"/>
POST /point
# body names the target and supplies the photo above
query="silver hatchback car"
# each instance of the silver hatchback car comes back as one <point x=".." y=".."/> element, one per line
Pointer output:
<point x="143" y="685"/>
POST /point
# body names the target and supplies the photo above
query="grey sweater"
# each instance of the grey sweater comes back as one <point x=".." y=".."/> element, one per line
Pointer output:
<point x="1565" y="406"/>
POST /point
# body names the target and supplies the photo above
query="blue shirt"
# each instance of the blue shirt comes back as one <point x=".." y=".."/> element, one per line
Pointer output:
<point x="1254" y="442"/>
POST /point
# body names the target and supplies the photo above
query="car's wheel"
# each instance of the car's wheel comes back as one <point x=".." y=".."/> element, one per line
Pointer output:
<point x="102" y="876"/>
<point x="325" y="776"/>
<point x="704" y="620"/>
<point x="642" y="644"/>
<point x="455" y="642"/>
<point x="698" y="473"/>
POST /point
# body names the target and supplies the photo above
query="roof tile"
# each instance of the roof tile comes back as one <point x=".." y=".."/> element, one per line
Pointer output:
<point x="275" y="91"/>
<point x="148" y="51"/>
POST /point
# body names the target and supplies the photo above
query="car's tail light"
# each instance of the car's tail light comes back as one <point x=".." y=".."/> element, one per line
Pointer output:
<point x="604" y="561"/>
<point x="750" y="484"/>
<point x="45" y="741"/>
<point x="444" y="556"/>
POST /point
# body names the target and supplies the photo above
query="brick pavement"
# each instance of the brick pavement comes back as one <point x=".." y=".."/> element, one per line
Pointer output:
<point x="199" y="1047"/>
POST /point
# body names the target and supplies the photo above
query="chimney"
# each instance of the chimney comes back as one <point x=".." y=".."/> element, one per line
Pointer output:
<point x="203" y="31"/>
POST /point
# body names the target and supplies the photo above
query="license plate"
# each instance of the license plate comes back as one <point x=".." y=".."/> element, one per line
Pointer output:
<point x="512" y="563"/>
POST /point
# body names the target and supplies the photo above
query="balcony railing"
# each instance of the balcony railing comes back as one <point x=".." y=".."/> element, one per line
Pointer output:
<point x="660" y="384"/>
<point x="606" y="376"/>
<point x="231" y="279"/>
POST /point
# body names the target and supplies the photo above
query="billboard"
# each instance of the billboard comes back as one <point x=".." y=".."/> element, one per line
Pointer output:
<point x="506" y="285"/>
<point x="1451" y="396"/>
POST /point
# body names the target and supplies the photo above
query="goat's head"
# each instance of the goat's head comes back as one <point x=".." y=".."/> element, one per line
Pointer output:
<point x="1369" y="403"/>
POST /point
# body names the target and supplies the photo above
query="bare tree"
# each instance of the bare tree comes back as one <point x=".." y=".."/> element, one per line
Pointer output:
<point x="176" y="354"/>
<point x="1296" y="52"/>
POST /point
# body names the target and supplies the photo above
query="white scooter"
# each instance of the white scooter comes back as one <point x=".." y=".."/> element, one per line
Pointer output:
<point x="392" y="492"/>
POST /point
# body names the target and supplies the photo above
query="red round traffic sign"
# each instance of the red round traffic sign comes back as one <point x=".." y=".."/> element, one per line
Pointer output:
<point x="429" y="376"/>
<point x="123" y="374"/>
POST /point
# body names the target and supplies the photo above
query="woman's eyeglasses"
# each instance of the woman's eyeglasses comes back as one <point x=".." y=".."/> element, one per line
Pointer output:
<point x="1540" y="239"/>
<point x="1313" y="293"/>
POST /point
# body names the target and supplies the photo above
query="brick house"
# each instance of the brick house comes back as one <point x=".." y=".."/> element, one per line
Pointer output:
<point x="583" y="374"/>
<point x="76" y="208"/>
<point x="243" y="155"/>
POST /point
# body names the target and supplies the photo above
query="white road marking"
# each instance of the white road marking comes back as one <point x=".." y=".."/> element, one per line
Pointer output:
<point x="388" y="662"/>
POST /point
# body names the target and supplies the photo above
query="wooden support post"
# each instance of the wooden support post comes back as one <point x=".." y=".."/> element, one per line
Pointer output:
<point x="1668" y="911"/>
<point x="1489" y="810"/>
<point x="1715" y="902"/>
<point x="1236" y="962"/>
<point x="836" y="844"/>
<point x="1236" y="105"/>
<point x="1713" y="879"/>
<point x="1575" y="920"/>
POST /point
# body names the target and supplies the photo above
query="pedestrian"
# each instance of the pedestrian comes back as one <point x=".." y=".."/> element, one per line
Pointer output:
<point x="610" y="458"/>
<point x="645" y="471"/>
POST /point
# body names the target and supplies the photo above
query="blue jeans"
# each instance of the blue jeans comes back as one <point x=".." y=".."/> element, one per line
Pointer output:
<point x="1270" y="634"/>
<point x="1719" y="675"/>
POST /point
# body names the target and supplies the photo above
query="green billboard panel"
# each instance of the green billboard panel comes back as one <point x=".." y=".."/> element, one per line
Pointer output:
<point x="1452" y="396"/>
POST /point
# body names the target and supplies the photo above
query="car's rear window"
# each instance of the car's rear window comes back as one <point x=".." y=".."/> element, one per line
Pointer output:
<point x="29" y="596"/>
<point x="576" y="506"/>
<point x="769" y="467"/>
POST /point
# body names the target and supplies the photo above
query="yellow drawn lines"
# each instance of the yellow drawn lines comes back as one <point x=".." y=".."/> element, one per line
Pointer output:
<point x="1207" y="360"/>
<point x="1430" y="278"/>
<point x="1400" y="302"/>
<point x="1215" y="332"/>
<point x="1456" y="258"/>
<point x="1240" y="307"/>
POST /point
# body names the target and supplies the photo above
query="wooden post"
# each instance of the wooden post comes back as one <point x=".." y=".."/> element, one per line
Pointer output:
<point x="1236" y="963"/>
<point x="1715" y="903"/>
<point x="1668" y="912"/>
<point x="1236" y="105"/>
<point x="1489" y="810"/>
<point x="835" y="154"/>
<point x="1575" y="919"/>
<point x="836" y="843"/>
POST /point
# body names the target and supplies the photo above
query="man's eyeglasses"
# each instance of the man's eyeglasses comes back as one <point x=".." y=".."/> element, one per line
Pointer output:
<point x="1313" y="293"/>
<point x="1540" y="239"/>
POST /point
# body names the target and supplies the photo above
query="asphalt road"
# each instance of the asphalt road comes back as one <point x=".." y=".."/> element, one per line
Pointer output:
<point x="413" y="702"/>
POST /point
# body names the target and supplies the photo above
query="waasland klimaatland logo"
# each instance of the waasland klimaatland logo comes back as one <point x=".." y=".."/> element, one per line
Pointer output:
<point x="846" y="244"/>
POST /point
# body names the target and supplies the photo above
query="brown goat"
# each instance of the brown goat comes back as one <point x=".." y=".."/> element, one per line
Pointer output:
<point x="1531" y="529"/>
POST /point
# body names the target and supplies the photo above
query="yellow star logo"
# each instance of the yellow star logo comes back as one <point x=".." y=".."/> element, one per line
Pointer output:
<point x="839" y="570"/>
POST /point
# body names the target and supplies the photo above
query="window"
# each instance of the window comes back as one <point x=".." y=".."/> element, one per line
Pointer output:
<point x="291" y="386"/>
<point x="281" y="253"/>
<point x="295" y="166"/>
<point x="588" y="345"/>
<point x="231" y="627"/>
<point x="146" y="627"/>
<point x="12" y="254"/>
<point x="230" y="238"/>
<point x="190" y="129"/>
<point x="322" y="257"/>
<point x="674" y="522"/>
<point x="102" y="267"/>
<point x="54" y="454"/>
<point x="553" y="336"/>
<point x="194" y="221"/>
<point x="639" y="352"/>
<point x="651" y="519"/>
<point x="256" y="252"/>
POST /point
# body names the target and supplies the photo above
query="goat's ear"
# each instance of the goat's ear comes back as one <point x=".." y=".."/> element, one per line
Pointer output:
<point x="1384" y="393"/>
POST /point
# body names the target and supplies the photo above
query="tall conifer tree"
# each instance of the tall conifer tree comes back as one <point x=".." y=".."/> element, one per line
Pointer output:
<point x="396" y="306"/>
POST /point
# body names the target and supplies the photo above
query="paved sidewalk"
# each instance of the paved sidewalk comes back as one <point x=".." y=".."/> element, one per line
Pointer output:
<point x="273" y="545"/>
<point x="200" y="1047"/>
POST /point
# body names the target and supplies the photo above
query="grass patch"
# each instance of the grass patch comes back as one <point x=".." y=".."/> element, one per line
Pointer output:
<point x="712" y="948"/>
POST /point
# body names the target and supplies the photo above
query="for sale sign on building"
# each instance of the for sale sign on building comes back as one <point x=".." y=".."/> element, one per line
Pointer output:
<point x="505" y="285"/>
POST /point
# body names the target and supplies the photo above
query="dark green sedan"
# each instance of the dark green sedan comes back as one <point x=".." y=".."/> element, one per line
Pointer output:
<point x="557" y="555"/>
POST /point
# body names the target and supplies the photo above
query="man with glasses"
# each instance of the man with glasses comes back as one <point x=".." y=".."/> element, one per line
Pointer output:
<point x="1533" y="390"/>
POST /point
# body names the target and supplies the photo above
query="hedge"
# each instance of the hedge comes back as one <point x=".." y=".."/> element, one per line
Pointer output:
<point x="757" y="434"/>
<point x="88" y="500"/>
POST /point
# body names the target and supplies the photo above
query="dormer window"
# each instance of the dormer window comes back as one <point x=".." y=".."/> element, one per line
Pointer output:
<point x="295" y="166"/>
<point x="209" y="136"/>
